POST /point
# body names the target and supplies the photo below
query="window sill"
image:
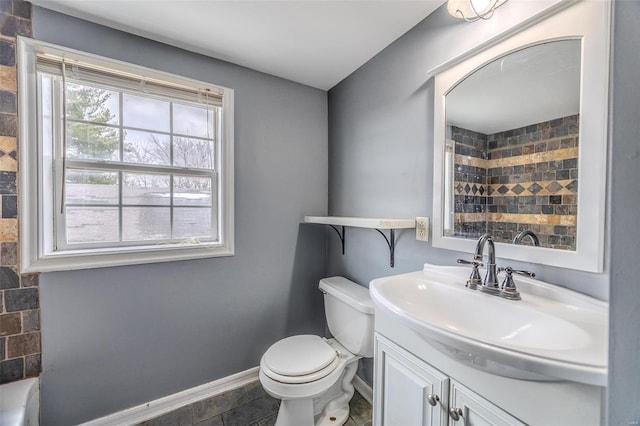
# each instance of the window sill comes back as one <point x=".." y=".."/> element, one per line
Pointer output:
<point x="88" y="259"/>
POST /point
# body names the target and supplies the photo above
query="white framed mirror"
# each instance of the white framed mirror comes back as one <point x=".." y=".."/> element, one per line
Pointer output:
<point x="520" y="142"/>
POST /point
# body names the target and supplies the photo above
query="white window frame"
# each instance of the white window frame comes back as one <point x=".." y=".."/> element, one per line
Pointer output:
<point x="36" y="178"/>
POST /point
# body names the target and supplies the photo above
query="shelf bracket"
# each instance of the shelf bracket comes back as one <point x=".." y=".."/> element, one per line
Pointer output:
<point x="391" y="242"/>
<point x="339" y="225"/>
<point x="341" y="235"/>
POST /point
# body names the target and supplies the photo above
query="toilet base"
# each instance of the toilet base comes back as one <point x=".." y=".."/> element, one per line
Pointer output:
<point x="335" y="417"/>
<point x="299" y="412"/>
<point x="295" y="412"/>
<point x="321" y="403"/>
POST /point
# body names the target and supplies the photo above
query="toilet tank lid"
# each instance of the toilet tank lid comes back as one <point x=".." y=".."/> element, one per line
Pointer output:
<point x="349" y="292"/>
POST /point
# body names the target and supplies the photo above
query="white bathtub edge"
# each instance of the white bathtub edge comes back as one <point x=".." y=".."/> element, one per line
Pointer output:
<point x="20" y="403"/>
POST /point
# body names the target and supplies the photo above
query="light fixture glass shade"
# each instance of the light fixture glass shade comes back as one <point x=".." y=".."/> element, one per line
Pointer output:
<point x="472" y="10"/>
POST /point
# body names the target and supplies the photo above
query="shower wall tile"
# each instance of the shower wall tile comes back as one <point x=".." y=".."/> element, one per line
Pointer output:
<point x="8" y="80"/>
<point x="11" y="370"/>
<point x="530" y="182"/>
<point x="470" y="180"/>
<point x="19" y="294"/>
<point x="23" y="344"/>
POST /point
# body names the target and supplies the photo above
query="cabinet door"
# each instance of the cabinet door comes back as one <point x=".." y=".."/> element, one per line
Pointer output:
<point x="473" y="410"/>
<point x="408" y="392"/>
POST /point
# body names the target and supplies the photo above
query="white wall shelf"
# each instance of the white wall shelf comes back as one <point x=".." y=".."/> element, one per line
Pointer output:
<point x="364" y="222"/>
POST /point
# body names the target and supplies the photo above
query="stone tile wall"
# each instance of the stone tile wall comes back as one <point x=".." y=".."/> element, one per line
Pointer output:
<point x="19" y="297"/>
<point x="470" y="182"/>
<point x="531" y="183"/>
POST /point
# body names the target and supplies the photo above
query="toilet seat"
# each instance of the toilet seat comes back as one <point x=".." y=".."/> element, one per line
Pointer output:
<point x="299" y="359"/>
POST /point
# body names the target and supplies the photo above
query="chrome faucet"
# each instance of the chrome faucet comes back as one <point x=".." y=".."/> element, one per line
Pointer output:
<point x="527" y="233"/>
<point x="490" y="284"/>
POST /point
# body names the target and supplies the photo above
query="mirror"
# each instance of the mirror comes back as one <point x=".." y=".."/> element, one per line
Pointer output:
<point x="511" y="153"/>
<point x="520" y="142"/>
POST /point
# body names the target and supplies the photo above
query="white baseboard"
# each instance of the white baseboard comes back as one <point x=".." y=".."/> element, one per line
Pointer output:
<point x="170" y="403"/>
<point x="167" y="404"/>
<point x="363" y="389"/>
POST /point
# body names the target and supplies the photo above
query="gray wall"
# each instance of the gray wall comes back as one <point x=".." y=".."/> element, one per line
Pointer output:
<point x="113" y="338"/>
<point x="381" y="154"/>
<point x="624" y="166"/>
<point x="116" y="337"/>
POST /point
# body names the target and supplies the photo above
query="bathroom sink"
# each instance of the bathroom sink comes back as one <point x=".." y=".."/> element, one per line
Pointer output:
<point x="551" y="334"/>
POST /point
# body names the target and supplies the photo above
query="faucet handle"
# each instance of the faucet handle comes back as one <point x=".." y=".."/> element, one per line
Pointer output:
<point x="474" y="279"/>
<point x="525" y="273"/>
<point x="469" y="262"/>
<point x="509" y="270"/>
<point x="508" y="289"/>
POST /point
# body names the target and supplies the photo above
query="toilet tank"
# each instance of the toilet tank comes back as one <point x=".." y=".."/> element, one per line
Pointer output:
<point x="349" y="311"/>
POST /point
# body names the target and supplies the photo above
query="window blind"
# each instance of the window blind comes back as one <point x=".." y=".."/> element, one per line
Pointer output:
<point x="129" y="81"/>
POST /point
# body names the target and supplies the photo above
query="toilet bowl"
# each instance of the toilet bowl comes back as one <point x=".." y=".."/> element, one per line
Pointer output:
<point x="312" y="375"/>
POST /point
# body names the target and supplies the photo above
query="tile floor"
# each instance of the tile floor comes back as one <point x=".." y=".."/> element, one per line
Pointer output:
<point x="360" y="411"/>
<point x="246" y="406"/>
<point x="359" y="415"/>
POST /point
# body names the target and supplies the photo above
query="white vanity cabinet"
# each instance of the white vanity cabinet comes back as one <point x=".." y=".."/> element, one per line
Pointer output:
<point x="489" y="361"/>
<point x="472" y="409"/>
<point x="408" y="391"/>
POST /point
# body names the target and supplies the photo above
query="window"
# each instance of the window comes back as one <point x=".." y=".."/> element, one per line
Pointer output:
<point x="133" y="165"/>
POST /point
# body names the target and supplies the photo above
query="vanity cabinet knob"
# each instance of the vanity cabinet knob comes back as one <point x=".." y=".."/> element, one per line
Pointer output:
<point x="433" y="399"/>
<point x="455" y="414"/>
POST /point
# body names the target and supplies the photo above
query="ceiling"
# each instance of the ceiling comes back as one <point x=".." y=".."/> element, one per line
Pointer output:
<point x="313" y="42"/>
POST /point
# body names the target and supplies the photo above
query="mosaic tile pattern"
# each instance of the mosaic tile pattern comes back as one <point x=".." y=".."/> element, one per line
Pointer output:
<point x="568" y="187"/>
<point x="470" y="179"/>
<point x="19" y="294"/>
<point x="522" y="178"/>
<point x="249" y="405"/>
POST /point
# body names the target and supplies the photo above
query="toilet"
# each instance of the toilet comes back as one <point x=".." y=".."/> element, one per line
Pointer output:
<point x="312" y="375"/>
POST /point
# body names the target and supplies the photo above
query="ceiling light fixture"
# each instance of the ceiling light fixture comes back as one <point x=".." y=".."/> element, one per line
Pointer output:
<point x="473" y="10"/>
